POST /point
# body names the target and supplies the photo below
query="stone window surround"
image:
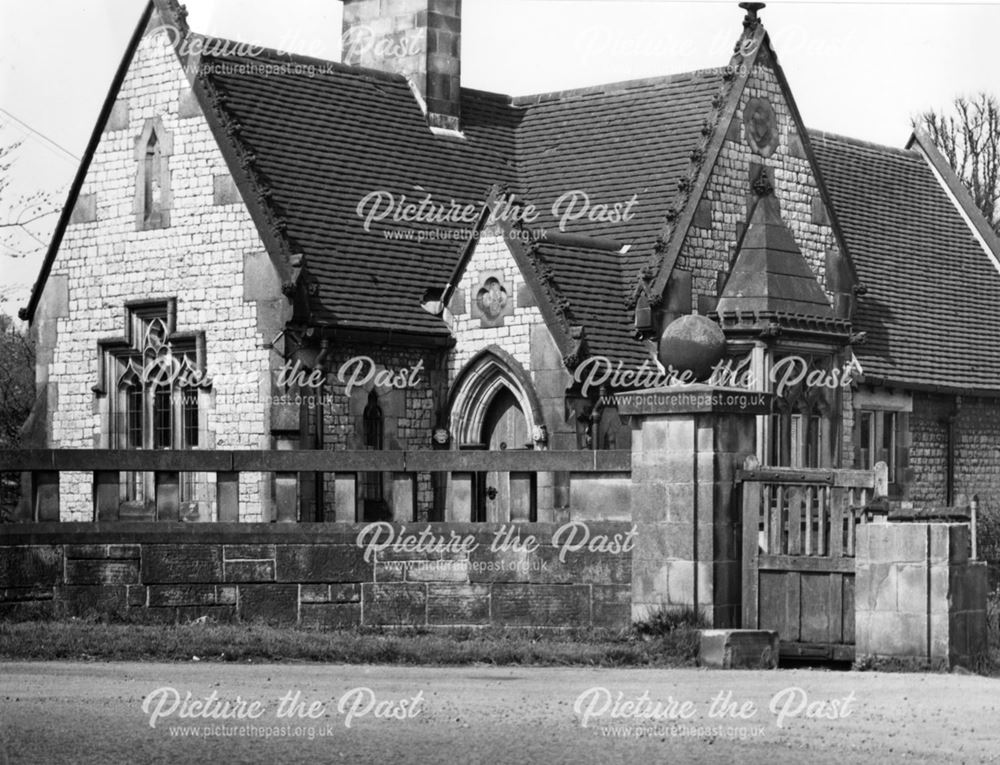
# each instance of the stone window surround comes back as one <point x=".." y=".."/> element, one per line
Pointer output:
<point x="490" y="281"/>
<point x="806" y="405"/>
<point x="111" y="350"/>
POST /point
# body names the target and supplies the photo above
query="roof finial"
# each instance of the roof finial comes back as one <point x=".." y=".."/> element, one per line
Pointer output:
<point x="751" y="20"/>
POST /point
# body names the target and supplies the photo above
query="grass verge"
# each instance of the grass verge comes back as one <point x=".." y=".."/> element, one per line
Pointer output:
<point x="80" y="640"/>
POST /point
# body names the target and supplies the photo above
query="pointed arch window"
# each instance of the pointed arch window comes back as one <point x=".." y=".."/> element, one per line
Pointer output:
<point x="151" y="192"/>
<point x="153" y="199"/>
<point x="373" y="423"/>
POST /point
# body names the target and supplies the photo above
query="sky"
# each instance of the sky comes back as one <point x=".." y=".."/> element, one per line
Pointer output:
<point x="858" y="68"/>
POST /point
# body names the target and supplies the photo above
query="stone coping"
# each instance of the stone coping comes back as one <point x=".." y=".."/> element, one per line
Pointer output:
<point x="166" y="532"/>
<point x="694" y="399"/>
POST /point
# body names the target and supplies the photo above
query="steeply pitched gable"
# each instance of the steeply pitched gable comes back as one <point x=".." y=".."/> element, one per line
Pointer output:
<point x="753" y="69"/>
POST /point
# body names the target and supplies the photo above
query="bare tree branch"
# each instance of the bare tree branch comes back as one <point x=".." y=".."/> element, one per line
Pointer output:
<point x="18" y="213"/>
<point x="969" y="139"/>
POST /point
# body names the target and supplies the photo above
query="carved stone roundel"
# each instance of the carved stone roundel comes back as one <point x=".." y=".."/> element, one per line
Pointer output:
<point x="760" y="124"/>
<point x="491" y="298"/>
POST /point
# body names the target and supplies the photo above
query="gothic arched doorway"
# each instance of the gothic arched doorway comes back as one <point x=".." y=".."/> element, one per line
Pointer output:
<point x="493" y="406"/>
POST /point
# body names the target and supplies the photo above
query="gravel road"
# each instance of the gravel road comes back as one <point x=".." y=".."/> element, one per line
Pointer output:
<point x="58" y="712"/>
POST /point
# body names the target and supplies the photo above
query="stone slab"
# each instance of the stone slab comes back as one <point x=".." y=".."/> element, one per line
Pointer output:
<point x="269" y="603"/>
<point x="249" y="570"/>
<point x="28" y="566"/>
<point x="738" y="649"/>
<point x="321" y="563"/>
<point x="541" y="605"/>
<point x="181" y="563"/>
<point x="457" y="604"/>
<point x="88" y="571"/>
<point x="394" y="604"/>
<point x="330" y="616"/>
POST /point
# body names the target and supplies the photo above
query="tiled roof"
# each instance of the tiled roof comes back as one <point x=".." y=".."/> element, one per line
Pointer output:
<point x="614" y="142"/>
<point x="322" y="143"/>
<point x="590" y="279"/>
<point x="931" y="306"/>
<point x="324" y="138"/>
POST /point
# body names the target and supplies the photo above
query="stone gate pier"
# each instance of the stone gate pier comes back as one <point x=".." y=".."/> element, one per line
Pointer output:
<point x="686" y="447"/>
<point x="919" y="596"/>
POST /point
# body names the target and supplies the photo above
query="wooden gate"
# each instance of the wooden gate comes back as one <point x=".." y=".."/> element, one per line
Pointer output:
<point x="798" y="553"/>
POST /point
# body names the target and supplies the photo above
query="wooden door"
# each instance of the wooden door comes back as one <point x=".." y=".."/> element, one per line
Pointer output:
<point x="506" y="496"/>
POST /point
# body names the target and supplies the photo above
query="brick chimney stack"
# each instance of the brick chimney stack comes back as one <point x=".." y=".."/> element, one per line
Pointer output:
<point x="420" y="39"/>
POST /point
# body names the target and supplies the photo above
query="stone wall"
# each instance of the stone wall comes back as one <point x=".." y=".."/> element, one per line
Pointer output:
<point x="977" y="452"/>
<point x="976" y="432"/>
<point x="313" y="575"/>
<point x="847" y="423"/>
<point x="929" y="450"/>
<point x="409" y="413"/>
<point x="207" y="256"/>
<point x="917" y="595"/>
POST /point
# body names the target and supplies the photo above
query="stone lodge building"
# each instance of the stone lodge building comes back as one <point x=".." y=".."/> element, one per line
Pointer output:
<point x="266" y="251"/>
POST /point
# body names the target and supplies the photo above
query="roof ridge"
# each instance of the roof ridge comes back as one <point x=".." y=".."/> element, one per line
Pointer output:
<point x="490" y="95"/>
<point x="611" y="88"/>
<point x="263" y="51"/>
<point x="859" y="142"/>
<point x="557" y="238"/>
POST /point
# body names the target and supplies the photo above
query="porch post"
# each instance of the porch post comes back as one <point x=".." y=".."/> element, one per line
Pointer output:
<point x="345" y="493"/>
<point x="460" y="497"/>
<point x="404" y="497"/>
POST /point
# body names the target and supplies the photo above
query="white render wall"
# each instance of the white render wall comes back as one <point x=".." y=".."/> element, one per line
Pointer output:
<point x="198" y="260"/>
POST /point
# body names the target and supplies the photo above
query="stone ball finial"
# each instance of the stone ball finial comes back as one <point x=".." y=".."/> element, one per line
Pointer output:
<point x="692" y="343"/>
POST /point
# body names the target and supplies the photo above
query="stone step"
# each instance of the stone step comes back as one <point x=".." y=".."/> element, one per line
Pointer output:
<point x="738" y="649"/>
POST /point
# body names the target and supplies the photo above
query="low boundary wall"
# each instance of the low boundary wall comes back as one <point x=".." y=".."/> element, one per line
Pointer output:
<point x="321" y="575"/>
